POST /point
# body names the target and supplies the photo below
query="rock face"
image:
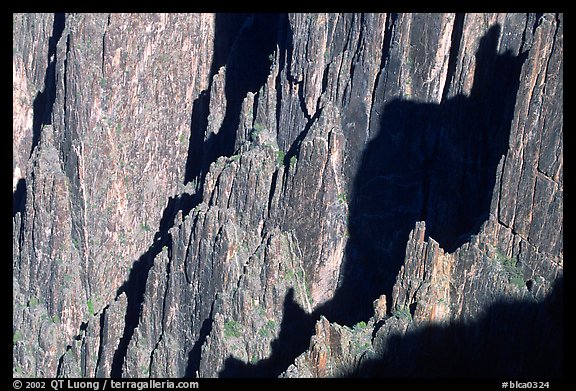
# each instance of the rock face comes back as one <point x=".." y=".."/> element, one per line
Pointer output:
<point x="307" y="195"/>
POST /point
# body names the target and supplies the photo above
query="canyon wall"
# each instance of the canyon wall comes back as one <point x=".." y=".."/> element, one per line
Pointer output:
<point x="295" y="195"/>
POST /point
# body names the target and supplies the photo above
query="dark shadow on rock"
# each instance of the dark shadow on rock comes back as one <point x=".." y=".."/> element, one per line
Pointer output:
<point x="198" y="126"/>
<point x="244" y="43"/>
<point x="429" y="162"/>
<point x="19" y="197"/>
<point x="44" y="100"/>
<point x="41" y="106"/>
<point x="41" y="111"/>
<point x="247" y="69"/>
<point x="512" y="340"/>
<point x="195" y="353"/>
<point x="135" y="285"/>
<point x="227" y="27"/>
<point x="289" y="344"/>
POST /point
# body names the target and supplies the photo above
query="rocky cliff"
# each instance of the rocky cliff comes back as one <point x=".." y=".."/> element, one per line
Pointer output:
<point x="294" y="195"/>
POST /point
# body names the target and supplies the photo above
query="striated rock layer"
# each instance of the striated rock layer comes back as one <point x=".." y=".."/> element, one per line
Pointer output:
<point x="301" y="195"/>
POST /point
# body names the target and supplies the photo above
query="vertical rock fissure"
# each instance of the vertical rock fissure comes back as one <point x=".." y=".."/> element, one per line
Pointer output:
<point x="19" y="197"/>
<point x="195" y="354"/>
<point x="101" y="340"/>
<point x="384" y="54"/>
<point x="500" y="191"/>
<point x="538" y="143"/>
<point x="65" y="81"/>
<point x="285" y="48"/>
<point x="61" y="361"/>
<point x="389" y="26"/>
<point x="557" y="20"/>
<point x="526" y="42"/>
<point x="188" y="245"/>
<point x="357" y="50"/>
<point x="302" y="100"/>
<point x="537" y="22"/>
<point x="456" y="38"/>
<point x="272" y="189"/>
<point x="104" y="43"/>
<point x="41" y="109"/>
<point x="18" y="202"/>
<point x="164" y="304"/>
<point x="200" y="148"/>
<point x="294" y="149"/>
<point x="44" y="101"/>
<point x="247" y="69"/>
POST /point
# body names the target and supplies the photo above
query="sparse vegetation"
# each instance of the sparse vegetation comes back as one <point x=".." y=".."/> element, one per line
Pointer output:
<point x="360" y="325"/>
<point x="280" y="155"/>
<point x="289" y="275"/>
<point x="308" y="293"/>
<point x="257" y="129"/>
<point x="16" y="337"/>
<point x="359" y="346"/>
<point x="512" y="270"/>
<point x="90" y="305"/>
<point x="300" y="274"/>
<point x="232" y="329"/>
<point x="410" y="60"/>
<point x="268" y="329"/>
<point x="342" y="198"/>
<point x="33" y="302"/>
<point x="145" y="227"/>
<point x="402" y="313"/>
<point x="346" y="234"/>
<point x="518" y="281"/>
<point x="293" y="161"/>
<point x="145" y="370"/>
